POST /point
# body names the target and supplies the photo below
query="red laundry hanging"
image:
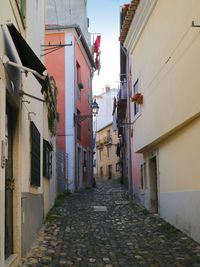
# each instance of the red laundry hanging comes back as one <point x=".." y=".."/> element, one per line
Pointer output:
<point x="97" y="44"/>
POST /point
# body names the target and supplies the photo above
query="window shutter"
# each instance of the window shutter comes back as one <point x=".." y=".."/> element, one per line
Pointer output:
<point x="35" y="155"/>
<point x="47" y="159"/>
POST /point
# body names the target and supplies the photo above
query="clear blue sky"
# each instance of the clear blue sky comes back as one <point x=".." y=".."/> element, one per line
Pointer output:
<point x="104" y="19"/>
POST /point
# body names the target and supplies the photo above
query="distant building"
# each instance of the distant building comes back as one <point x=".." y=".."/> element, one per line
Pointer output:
<point x="67" y="13"/>
<point x="105" y="102"/>
<point x="107" y="153"/>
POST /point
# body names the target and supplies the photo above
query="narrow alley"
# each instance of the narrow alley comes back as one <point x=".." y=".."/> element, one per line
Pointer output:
<point x="101" y="227"/>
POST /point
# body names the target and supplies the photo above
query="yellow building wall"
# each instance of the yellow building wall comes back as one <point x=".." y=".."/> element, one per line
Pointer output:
<point x="165" y="61"/>
<point x="105" y="160"/>
<point x="179" y="160"/>
<point x="179" y="171"/>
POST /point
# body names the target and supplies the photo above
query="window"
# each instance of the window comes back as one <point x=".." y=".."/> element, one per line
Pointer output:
<point x="22" y="9"/>
<point x="35" y="155"/>
<point x="108" y="135"/>
<point x="117" y="167"/>
<point x="100" y="154"/>
<point x="101" y="171"/>
<point x="78" y="127"/>
<point x="79" y="82"/>
<point x="108" y="151"/>
<point x="136" y="90"/>
<point x="47" y="159"/>
<point x="94" y="163"/>
<point x="84" y="158"/>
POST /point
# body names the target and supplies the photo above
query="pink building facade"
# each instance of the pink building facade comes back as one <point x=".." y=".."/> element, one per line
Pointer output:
<point x="71" y="63"/>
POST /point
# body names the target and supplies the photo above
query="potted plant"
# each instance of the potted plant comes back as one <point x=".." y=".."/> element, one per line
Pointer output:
<point x="138" y="98"/>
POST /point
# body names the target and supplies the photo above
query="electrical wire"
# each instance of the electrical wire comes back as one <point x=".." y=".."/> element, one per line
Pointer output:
<point x="170" y="57"/>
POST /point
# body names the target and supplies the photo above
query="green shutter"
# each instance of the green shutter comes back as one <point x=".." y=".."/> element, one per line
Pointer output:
<point x="35" y="155"/>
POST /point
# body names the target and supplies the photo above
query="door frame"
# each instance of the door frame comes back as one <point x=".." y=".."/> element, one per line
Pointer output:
<point x="17" y="167"/>
<point x="154" y="155"/>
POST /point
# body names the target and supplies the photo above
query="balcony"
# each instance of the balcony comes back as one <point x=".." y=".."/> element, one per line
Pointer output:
<point x="122" y="101"/>
<point x="107" y="140"/>
<point x="99" y="144"/>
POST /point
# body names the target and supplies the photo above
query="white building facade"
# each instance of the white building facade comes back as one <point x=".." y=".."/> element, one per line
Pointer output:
<point x="24" y="127"/>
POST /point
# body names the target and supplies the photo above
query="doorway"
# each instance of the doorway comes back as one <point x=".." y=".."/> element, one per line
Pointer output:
<point x="79" y="168"/>
<point x="109" y="171"/>
<point x="85" y="167"/>
<point x="153" y="184"/>
<point x="9" y="184"/>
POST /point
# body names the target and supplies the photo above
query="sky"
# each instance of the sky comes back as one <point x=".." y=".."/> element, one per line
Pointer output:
<point x="104" y="19"/>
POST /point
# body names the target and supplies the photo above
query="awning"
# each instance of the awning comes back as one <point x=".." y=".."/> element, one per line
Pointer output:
<point x="28" y="58"/>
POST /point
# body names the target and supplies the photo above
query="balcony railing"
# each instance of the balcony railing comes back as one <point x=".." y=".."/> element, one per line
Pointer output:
<point x="107" y="140"/>
<point x="99" y="144"/>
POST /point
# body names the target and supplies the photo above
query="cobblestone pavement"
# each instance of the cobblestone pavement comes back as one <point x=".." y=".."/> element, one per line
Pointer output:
<point x="101" y="228"/>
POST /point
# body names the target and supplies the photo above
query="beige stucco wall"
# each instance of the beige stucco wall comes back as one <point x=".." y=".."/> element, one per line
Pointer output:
<point x="6" y="14"/>
<point x="179" y="179"/>
<point x="34" y="35"/>
<point x="165" y="60"/>
<point x="105" y="160"/>
<point x="164" y="57"/>
<point x="178" y="160"/>
<point x="2" y="171"/>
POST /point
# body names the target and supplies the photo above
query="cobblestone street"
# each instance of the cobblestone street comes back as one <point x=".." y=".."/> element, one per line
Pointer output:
<point x="101" y="227"/>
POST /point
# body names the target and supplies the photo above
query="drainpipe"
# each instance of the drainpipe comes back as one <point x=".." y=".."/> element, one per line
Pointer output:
<point x="129" y="164"/>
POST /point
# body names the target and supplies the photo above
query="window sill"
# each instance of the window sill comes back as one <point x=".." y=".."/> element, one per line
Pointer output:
<point x="136" y="116"/>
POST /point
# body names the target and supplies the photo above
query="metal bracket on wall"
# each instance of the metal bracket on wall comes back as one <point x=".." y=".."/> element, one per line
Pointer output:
<point x="126" y="124"/>
<point x="195" y="25"/>
<point x="50" y="48"/>
<point x="3" y="157"/>
<point x="80" y="118"/>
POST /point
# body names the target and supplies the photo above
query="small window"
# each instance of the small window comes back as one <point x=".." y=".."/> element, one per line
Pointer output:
<point x="22" y="9"/>
<point x="94" y="163"/>
<point x="35" y="156"/>
<point x="79" y="81"/>
<point x="47" y="159"/>
<point x="108" y="151"/>
<point x="78" y="126"/>
<point x="108" y="134"/>
<point x="101" y="171"/>
<point x="109" y="168"/>
<point x="117" y="167"/>
<point x="136" y="90"/>
<point x="100" y="154"/>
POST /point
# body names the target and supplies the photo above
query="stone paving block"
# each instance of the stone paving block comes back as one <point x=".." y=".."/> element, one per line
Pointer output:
<point x="100" y="208"/>
<point x="100" y="228"/>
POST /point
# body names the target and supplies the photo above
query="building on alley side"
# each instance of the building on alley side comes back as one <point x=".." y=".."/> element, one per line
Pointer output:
<point x="72" y="66"/>
<point x="27" y="136"/>
<point x="162" y="66"/>
<point x="108" y="152"/>
<point x="105" y="158"/>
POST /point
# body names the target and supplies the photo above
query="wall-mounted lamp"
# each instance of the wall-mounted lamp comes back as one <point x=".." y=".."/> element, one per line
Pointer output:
<point x="29" y="115"/>
<point x="95" y="110"/>
<point x="26" y="101"/>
